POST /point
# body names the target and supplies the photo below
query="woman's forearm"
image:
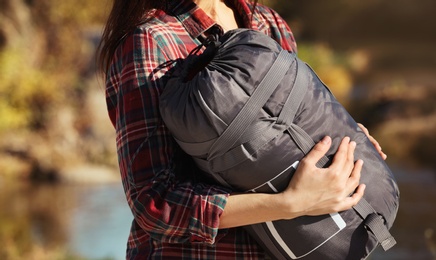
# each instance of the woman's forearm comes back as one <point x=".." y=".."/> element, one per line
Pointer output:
<point x="250" y="208"/>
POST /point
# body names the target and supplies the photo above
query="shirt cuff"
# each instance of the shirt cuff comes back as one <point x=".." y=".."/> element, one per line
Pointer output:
<point x="205" y="221"/>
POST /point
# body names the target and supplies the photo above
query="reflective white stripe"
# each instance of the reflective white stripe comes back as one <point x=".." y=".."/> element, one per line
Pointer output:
<point x="336" y="218"/>
<point x="294" y="165"/>
<point x="279" y="239"/>
<point x="272" y="187"/>
<point x="339" y="221"/>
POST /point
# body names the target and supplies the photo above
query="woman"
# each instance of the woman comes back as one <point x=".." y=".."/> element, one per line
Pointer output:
<point x="177" y="214"/>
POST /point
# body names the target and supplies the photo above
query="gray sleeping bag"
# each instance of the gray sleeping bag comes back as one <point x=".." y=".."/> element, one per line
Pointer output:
<point x="247" y="112"/>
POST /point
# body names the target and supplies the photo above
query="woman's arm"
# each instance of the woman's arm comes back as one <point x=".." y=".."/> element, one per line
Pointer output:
<point x="166" y="209"/>
<point x="312" y="190"/>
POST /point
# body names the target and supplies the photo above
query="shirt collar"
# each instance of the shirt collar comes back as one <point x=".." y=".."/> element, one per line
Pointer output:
<point x="196" y="21"/>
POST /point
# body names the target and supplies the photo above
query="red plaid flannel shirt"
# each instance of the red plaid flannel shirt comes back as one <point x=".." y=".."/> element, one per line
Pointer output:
<point x="172" y="218"/>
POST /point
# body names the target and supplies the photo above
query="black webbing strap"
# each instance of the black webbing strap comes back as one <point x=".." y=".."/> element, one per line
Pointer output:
<point x="375" y="223"/>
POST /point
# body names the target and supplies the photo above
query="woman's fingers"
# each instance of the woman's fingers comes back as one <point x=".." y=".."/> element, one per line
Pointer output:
<point x="356" y="173"/>
<point x="364" y="129"/>
<point x="350" y="156"/>
<point x="373" y="141"/>
<point x="356" y="196"/>
<point x="344" y="157"/>
<point x="354" y="179"/>
<point x="354" y="190"/>
<point x="318" y="151"/>
<point x="316" y="191"/>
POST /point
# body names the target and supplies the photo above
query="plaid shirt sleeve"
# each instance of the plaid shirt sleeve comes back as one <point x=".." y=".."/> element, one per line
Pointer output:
<point x="166" y="209"/>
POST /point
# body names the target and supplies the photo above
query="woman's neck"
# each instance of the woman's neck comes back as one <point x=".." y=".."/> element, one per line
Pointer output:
<point x="220" y="12"/>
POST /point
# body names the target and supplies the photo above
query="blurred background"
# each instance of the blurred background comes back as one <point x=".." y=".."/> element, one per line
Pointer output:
<point x="60" y="191"/>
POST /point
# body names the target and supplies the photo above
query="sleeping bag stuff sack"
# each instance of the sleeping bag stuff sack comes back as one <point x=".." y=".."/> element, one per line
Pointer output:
<point x="248" y="111"/>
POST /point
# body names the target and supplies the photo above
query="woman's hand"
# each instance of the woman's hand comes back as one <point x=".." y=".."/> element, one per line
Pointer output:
<point x="317" y="191"/>
<point x="373" y="141"/>
<point x="311" y="191"/>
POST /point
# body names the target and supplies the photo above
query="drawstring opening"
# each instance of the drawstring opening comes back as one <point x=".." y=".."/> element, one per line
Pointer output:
<point x="194" y="63"/>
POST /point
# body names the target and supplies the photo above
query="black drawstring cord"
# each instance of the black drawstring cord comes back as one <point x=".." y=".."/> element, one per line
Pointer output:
<point x="194" y="63"/>
<point x="190" y="66"/>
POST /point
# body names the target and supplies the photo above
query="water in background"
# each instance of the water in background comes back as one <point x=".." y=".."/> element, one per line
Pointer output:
<point x="55" y="222"/>
<point x="101" y="222"/>
<point x="93" y="221"/>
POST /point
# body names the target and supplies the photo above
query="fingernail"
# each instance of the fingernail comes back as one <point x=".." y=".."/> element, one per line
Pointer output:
<point x="353" y="143"/>
<point x="326" y="140"/>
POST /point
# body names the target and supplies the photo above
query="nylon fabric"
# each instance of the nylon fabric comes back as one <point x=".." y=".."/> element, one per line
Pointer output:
<point x="258" y="98"/>
<point x="299" y="112"/>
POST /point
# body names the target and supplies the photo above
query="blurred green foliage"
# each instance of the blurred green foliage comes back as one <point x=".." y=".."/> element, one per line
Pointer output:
<point x="44" y="61"/>
<point x="25" y="90"/>
<point x="42" y="57"/>
<point x="332" y="68"/>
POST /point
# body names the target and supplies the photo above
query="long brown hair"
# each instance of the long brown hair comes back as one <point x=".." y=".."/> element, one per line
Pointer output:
<point x="123" y="18"/>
